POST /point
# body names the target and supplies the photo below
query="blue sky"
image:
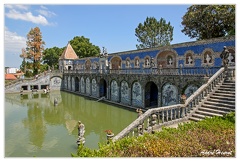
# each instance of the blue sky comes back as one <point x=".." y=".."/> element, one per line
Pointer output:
<point x="111" y="26"/>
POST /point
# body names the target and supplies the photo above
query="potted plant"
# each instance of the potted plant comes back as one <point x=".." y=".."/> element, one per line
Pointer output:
<point x="110" y="134"/>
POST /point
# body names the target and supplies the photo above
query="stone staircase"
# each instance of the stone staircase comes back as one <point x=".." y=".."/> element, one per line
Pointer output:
<point x="221" y="101"/>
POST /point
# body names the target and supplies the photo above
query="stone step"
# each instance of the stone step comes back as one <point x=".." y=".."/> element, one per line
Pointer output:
<point x="194" y="119"/>
<point x="223" y="97"/>
<point x="225" y="100"/>
<point x="222" y="108"/>
<point x="200" y="116"/>
<point x="220" y="104"/>
<point x="224" y="92"/>
<point x="228" y="86"/>
<point x="212" y="110"/>
<point x="229" y="81"/>
<point x="207" y="114"/>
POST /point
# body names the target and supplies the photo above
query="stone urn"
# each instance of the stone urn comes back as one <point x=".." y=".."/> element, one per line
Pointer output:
<point x="110" y="136"/>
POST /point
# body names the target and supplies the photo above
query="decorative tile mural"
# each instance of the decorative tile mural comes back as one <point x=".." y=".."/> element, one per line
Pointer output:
<point x="114" y="91"/>
<point x="69" y="83"/>
<point x="73" y="84"/>
<point x="56" y="82"/>
<point x="82" y="85"/>
<point x="94" y="87"/>
<point x="190" y="90"/>
<point x="125" y="92"/>
<point x="137" y="94"/>
<point x="65" y="82"/>
<point x="169" y="95"/>
<point x="88" y="86"/>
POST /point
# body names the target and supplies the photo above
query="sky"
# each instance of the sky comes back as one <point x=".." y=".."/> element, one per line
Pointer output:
<point x="106" y="25"/>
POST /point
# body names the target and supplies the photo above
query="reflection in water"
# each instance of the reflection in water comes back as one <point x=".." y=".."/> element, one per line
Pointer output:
<point x="51" y="131"/>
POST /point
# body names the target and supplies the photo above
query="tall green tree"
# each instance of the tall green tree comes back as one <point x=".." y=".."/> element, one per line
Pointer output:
<point x="83" y="47"/>
<point x="153" y="33"/>
<point x="51" y="56"/>
<point x="209" y="21"/>
<point x="35" y="47"/>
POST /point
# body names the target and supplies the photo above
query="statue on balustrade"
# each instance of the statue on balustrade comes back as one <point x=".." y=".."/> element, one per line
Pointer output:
<point x="224" y="56"/>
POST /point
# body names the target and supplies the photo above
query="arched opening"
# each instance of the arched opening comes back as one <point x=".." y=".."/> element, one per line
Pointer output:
<point x="103" y="88"/>
<point x="76" y="84"/>
<point x="88" y="65"/>
<point x="151" y="95"/>
<point x="166" y="59"/>
<point x="116" y="63"/>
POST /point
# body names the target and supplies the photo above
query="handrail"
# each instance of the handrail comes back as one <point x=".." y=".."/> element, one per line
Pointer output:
<point x="209" y="71"/>
<point x="140" y="120"/>
<point x="182" y="111"/>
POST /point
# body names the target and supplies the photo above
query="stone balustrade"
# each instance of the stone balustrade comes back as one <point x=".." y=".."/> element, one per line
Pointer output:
<point x="162" y="116"/>
<point x="209" y="71"/>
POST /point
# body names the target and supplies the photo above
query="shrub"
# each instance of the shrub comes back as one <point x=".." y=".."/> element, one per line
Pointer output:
<point x="211" y="137"/>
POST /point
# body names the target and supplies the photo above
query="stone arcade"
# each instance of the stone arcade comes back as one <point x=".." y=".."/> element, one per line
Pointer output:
<point x="145" y="78"/>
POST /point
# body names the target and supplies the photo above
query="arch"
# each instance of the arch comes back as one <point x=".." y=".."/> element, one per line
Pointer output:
<point x="190" y="89"/>
<point x="147" y="61"/>
<point x="136" y="94"/>
<point x="231" y="57"/>
<point x="103" y="88"/>
<point x="82" y="85"/>
<point x="169" y="94"/>
<point x="69" y="83"/>
<point x="136" y="62"/>
<point x="128" y="63"/>
<point x="76" y="84"/>
<point x="88" y="90"/>
<point x="189" y="58"/>
<point x="125" y="96"/>
<point x="65" y="82"/>
<point x="151" y="94"/>
<point x="94" y="87"/>
<point x="88" y="65"/>
<point x="208" y="57"/>
<point x="114" y="91"/>
<point x="73" y="83"/>
<point x="116" y="62"/>
<point x="167" y="58"/>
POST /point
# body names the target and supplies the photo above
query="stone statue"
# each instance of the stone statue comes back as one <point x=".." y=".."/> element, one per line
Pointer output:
<point x="224" y="56"/>
<point x="170" y="61"/>
<point x="139" y="111"/>
<point x="189" y="60"/>
<point x="81" y="131"/>
<point x="208" y="59"/>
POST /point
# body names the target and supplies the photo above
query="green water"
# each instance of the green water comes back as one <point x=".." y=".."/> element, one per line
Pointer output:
<point x="35" y="127"/>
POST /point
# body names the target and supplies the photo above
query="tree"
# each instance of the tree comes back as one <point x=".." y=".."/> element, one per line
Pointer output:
<point x="83" y="47"/>
<point x="35" y="48"/>
<point x="153" y="33"/>
<point x="51" y="56"/>
<point x="209" y="21"/>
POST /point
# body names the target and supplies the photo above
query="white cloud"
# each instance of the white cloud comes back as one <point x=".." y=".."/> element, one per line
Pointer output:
<point x="27" y="16"/>
<point x="19" y="6"/>
<point x="13" y="43"/>
<point x="46" y="13"/>
<point x="43" y="7"/>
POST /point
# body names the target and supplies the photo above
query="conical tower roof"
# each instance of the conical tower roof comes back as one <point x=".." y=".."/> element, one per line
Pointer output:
<point x="69" y="53"/>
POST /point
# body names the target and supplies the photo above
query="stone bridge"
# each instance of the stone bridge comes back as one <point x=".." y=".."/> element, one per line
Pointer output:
<point x="52" y="80"/>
